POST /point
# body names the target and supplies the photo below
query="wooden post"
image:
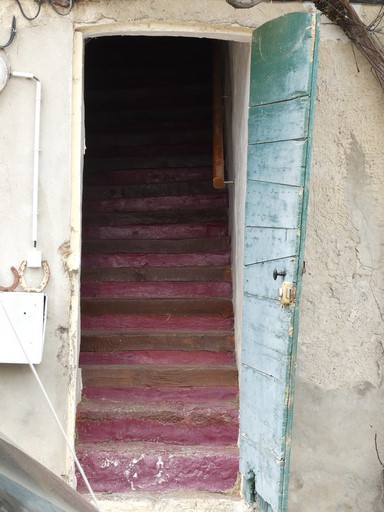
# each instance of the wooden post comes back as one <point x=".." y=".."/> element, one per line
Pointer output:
<point x="217" y="120"/>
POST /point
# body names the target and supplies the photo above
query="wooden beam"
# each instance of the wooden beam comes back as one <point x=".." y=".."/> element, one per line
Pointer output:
<point x="217" y="120"/>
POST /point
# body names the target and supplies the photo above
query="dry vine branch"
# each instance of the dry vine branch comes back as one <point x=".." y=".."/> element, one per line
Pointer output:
<point x="344" y="15"/>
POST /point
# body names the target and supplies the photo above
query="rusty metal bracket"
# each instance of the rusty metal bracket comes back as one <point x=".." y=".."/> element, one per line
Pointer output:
<point x="15" y="283"/>
<point x="44" y="282"/>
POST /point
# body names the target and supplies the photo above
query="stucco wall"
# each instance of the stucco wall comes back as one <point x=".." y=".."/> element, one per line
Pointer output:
<point x="339" y="394"/>
<point x="43" y="48"/>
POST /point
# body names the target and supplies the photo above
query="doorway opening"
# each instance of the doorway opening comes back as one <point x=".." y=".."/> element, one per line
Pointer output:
<point x="159" y="409"/>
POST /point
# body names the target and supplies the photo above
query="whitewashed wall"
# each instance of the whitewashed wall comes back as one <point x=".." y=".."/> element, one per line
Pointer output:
<point x="339" y="395"/>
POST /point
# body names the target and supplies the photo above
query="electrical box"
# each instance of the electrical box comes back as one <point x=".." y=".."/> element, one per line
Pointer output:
<point x="23" y="318"/>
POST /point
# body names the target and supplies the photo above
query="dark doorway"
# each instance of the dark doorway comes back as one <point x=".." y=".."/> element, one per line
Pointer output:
<point x="159" y="408"/>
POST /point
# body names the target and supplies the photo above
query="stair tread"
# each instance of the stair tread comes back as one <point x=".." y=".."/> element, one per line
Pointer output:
<point x="159" y="375"/>
<point x="153" y="290"/>
<point x="157" y="274"/>
<point x="214" y="306"/>
<point x="201" y="186"/>
<point x="166" y="411"/>
<point x="184" y="217"/>
<point x="142" y="394"/>
<point x="150" y="161"/>
<point x="161" y="246"/>
<point x="178" y="260"/>
<point x="137" y="204"/>
<point x="156" y="448"/>
<point x="115" y="340"/>
<point x="157" y="358"/>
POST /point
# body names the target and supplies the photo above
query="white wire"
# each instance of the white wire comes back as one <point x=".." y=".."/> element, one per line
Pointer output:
<point x="81" y="471"/>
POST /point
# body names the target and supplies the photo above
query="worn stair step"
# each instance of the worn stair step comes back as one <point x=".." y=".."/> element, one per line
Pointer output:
<point x="157" y="246"/>
<point x="162" y="289"/>
<point x="114" y="117"/>
<point x="94" y="261"/>
<point x="157" y="357"/>
<point x="151" y="467"/>
<point x="155" y="231"/>
<point x="201" y="216"/>
<point x="148" y="161"/>
<point x="221" y="307"/>
<point x="160" y="395"/>
<point x="214" y="423"/>
<point x="151" y="175"/>
<point x="159" y="73"/>
<point x="160" y="126"/>
<point x="147" y="101"/>
<point x="138" y="204"/>
<point x="148" y="150"/>
<point x="119" y="376"/>
<point x="145" y="136"/>
<point x="156" y="274"/>
<point x="145" y="91"/>
<point x="148" y="189"/>
<point x="116" y="341"/>
<point x="164" y="321"/>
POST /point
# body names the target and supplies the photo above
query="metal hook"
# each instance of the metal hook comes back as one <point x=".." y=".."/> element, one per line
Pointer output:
<point x="15" y="284"/>
<point x="12" y="34"/>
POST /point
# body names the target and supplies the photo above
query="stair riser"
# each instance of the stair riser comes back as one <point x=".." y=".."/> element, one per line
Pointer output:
<point x="155" y="290"/>
<point x="173" y="231"/>
<point x="146" y="430"/>
<point x="156" y="260"/>
<point x="154" y="357"/>
<point x="168" y="322"/>
<point x="114" y="472"/>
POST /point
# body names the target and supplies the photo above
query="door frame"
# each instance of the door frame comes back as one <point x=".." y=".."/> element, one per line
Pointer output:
<point x="149" y="28"/>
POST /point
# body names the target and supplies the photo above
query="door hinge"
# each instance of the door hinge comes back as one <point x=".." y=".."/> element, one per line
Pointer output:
<point x="287" y="293"/>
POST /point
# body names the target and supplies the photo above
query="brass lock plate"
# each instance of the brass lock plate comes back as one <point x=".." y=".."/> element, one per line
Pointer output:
<point x="287" y="293"/>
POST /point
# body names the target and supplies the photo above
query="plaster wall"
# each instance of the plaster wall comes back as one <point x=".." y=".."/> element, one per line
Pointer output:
<point x="236" y="105"/>
<point x="339" y="394"/>
<point x="339" y="391"/>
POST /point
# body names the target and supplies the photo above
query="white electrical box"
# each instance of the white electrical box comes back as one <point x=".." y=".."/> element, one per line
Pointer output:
<point x="24" y="314"/>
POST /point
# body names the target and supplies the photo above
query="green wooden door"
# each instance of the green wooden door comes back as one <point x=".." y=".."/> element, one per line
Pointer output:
<point x="283" y="75"/>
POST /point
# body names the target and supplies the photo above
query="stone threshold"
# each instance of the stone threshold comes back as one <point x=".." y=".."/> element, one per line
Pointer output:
<point x="172" y="502"/>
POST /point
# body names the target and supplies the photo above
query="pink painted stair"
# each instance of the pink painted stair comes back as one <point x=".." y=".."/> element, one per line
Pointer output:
<point x="159" y="408"/>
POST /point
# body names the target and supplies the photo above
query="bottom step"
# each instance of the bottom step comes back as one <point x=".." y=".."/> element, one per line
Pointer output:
<point x="150" y="467"/>
<point x="172" y="502"/>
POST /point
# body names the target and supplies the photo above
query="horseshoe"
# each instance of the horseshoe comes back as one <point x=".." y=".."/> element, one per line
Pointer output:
<point x="44" y="282"/>
<point x="15" y="284"/>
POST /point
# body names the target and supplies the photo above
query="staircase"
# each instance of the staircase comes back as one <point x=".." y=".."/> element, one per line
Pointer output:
<point x="159" y="408"/>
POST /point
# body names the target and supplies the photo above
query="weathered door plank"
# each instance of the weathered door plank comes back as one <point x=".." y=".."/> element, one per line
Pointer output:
<point x="283" y="69"/>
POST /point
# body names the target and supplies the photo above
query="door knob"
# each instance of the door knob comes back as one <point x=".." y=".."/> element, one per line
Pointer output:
<point x="281" y="273"/>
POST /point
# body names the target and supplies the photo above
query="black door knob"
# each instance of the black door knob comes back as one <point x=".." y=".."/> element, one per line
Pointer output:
<point x="281" y="273"/>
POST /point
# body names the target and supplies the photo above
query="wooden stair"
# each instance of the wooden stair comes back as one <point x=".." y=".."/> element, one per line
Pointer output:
<point x="159" y="409"/>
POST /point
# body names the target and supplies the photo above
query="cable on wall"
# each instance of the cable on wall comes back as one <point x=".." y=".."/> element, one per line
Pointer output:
<point x="11" y="35"/>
